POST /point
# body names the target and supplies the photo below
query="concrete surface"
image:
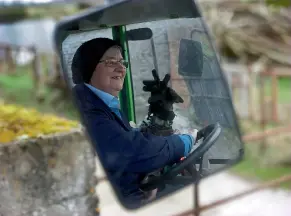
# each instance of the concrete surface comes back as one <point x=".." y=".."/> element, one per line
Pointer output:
<point x="49" y="176"/>
<point x="268" y="202"/>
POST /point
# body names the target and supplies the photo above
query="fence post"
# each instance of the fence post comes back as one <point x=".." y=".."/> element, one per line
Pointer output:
<point x="10" y="66"/>
<point x="233" y="85"/>
<point x="37" y="74"/>
<point x="274" y="96"/>
<point x="51" y="59"/>
<point x="196" y="199"/>
<point x="251" y="92"/>
<point x="2" y="59"/>
<point x="263" y="145"/>
<point x="244" y="95"/>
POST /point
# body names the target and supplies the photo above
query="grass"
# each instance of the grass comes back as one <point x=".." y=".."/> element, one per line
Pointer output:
<point x="284" y="90"/>
<point x="255" y="168"/>
<point x="267" y="167"/>
<point x="19" y="89"/>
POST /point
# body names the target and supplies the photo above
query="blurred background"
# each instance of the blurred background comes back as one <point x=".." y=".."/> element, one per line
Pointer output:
<point x="254" y="43"/>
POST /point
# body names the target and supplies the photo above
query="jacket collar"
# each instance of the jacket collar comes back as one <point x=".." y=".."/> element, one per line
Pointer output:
<point x="88" y="100"/>
<point x="107" y="98"/>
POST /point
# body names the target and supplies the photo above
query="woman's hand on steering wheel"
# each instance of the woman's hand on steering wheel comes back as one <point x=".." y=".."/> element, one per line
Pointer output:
<point x="193" y="133"/>
<point x="210" y="134"/>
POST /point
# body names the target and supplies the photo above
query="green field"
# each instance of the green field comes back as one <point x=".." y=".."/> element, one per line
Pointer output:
<point x="265" y="168"/>
<point x="284" y="90"/>
<point x="258" y="168"/>
<point x="19" y="89"/>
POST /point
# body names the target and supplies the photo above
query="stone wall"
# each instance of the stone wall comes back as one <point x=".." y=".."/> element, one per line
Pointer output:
<point x="48" y="176"/>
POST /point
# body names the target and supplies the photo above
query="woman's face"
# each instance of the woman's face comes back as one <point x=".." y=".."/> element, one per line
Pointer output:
<point x="110" y="72"/>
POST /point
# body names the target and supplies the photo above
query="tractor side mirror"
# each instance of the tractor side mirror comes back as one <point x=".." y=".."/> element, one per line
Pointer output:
<point x="190" y="58"/>
<point x="130" y="159"/>
<point x="139" y="34"/>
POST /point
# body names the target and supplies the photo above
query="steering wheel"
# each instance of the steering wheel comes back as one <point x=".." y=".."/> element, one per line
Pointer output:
<point x="210" y="135"/>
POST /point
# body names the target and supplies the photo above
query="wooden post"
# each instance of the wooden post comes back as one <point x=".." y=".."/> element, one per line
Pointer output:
<point x="236" y="97"/>
<point x="290" y="103"/>
<point x="2" y="59"/>
<point x="274" y="97"/>
<point x="251" y="92"/>
<point x="52" y="67"/>
<point x="37" y="71"/>
<point x="263" y="146"/>
<point x="244" y="83"/>
<point x="8" y="59"/>
<point x="57" y="66"/>
<point x="233" y="89"/>
<point x="196" y="200"/>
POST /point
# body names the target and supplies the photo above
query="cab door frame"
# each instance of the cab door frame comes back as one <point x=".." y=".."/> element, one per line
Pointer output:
<point x="126" y="95"/>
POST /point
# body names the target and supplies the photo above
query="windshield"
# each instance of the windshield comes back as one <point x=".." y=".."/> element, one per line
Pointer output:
<point x="196" y="77"/>
<point x="206" y="96"/>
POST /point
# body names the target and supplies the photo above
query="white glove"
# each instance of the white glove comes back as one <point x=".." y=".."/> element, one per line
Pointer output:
<point x="133" y="125"/>
<point x="192" y="133"/>
<point x="188" y="131"/>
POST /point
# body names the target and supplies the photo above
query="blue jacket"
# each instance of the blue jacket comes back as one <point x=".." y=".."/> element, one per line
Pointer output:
<point x="127" y="154"/>
<point x="113" y="103"/>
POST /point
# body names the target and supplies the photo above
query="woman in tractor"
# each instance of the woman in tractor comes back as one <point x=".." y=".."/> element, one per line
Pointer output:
<point x="98" y="70"/>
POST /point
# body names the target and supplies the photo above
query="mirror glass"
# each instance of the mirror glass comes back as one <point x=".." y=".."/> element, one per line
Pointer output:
<point x="196" y="76"/>
<point x="156" y="154"/>
<point x="190" y="53"/>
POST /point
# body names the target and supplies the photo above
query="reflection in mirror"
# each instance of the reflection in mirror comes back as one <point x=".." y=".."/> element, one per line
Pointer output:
<point x="139" y="34"/>
<point x="190" y="53"/>
<point x="187" y="131"/>
<point x="196" y="76"/>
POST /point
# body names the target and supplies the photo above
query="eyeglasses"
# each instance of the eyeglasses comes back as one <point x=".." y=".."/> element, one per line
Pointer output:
<point x="114" y="62"/>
